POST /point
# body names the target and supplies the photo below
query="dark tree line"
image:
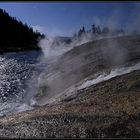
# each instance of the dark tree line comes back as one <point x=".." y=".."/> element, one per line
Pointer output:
<point x="97" y="31"/>
<point x="16" y="36"/>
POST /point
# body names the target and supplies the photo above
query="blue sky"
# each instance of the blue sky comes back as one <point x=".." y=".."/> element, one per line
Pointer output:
<point x="63" y="18"/>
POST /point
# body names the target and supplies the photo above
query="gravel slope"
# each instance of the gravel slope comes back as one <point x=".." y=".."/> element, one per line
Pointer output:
<point x="104" y="110"/>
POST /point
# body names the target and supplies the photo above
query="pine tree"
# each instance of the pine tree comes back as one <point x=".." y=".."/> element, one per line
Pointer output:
<point x="93" y="29"/>
<point x="83" y="29"/>
<point x="14" y="35"/>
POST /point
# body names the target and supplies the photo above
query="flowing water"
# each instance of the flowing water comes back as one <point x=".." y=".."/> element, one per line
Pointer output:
<point x="16" y="70"/>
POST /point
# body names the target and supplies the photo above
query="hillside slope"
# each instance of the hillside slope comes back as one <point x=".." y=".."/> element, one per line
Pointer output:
<point x="87" y="61"/>
<point x="107" y="109"/>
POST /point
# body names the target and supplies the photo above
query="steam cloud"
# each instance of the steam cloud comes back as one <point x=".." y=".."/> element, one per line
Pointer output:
<point x="50" y="49"/>
<point x="54" y="79"/>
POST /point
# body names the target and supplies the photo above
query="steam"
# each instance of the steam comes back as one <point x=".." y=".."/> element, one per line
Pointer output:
<point x="114" y="53"/>
<point x="50" y="50"/>
<point x="55" y="79"/>
<point x="53" y="47"/>
<point x="86" y="83"/>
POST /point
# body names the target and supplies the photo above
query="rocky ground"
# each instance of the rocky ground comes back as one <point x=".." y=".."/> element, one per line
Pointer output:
<point x="87" y="60"/>
<point x="109" y="109"/>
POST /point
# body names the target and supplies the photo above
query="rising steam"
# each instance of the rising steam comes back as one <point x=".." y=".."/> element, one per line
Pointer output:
<point x="60" y="74"/>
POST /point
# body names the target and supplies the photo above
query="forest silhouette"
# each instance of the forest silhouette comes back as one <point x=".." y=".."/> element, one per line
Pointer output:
<point x="16" y="36"/>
